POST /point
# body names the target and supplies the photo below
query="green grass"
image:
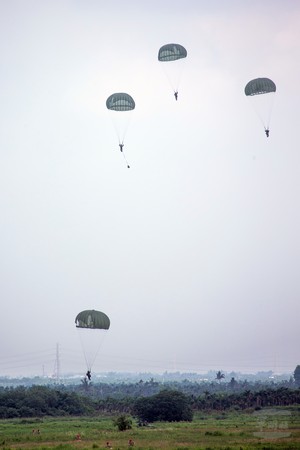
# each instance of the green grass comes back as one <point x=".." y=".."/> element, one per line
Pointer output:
<point x="269" y="429"/>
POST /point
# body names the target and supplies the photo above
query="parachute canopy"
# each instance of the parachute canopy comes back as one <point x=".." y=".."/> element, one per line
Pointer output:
<point x="260" y="86"/>
<point x="171" y="52"/>
<point x="120" y="102"/>
<point x="92" y="319"/>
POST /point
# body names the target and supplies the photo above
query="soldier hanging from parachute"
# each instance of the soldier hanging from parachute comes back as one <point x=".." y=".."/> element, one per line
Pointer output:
<point x="172" y="54"/>
<point x="256" y="88"/>
<point x="92" y="326"/>
<point x="121" y="104"/>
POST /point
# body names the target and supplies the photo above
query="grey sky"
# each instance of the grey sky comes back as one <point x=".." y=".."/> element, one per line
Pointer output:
<point x="194" y="252"/>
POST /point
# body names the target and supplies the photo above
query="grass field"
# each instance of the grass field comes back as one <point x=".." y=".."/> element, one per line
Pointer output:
<point x="266" y="429"/>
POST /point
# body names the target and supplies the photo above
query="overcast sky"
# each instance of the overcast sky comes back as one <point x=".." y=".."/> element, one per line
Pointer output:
<point x="193" y="252"/>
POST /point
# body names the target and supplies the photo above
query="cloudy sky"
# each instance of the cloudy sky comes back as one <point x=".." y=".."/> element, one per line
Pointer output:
<point x="193" y="252"/>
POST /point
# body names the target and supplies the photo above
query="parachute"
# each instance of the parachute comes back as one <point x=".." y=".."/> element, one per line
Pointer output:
<point x="92" y="319"/>
<point x="172" y="53"/>
<point x="120" y="102"/>
<point x="263" y="104"/>
<point x="260" y="86"/>
<point x="92" y="326"/>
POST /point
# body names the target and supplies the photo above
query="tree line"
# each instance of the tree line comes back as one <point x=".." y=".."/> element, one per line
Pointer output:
<point x="40" y="401"/>
<point x="121" y="390"/>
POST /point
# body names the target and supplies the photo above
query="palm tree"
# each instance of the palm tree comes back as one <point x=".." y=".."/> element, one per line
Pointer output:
<point x="219" y="375"/>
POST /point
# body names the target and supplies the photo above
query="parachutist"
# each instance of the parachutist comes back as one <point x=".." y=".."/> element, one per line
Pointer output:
<point x="121" y="147"/>
<point x="263" y="86"/>
<point x="176" y="95"/>
<point x="90" y="325"/>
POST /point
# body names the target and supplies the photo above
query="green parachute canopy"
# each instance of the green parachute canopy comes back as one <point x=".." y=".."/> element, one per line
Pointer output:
<point x="120" y="101"/>
<point x="92" y="319"/>
<point x="171" y="52"/>
<point x="260" y="86"/>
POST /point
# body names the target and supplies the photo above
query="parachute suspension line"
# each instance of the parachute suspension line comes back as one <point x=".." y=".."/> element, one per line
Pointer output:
<point x="117" y="129"/>
<point x="87" y="362"/>
<point x="121" y="125"/>
<point x="126" y="125"/>
<point x="121" y="133"/>
<point x="97" y="351"/>
<point x="180" y="73"/>
<point x="263" y="113"/>
<point x="272" y="95"/>
<point x="173" y="71"/>
<point x="169" y="78"/>
<point x="90" y="355"/>
<point x="121" y="138"/>
<point x="258" y="113"/>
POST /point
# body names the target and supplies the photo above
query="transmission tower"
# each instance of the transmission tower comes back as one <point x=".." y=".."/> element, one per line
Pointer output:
<point x="56" y="372"/>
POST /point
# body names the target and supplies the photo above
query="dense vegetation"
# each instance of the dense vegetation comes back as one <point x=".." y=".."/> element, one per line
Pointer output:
<point x="40" y="401"/>
<point x="166" y="406"/>
<point x="93" y="399"/>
